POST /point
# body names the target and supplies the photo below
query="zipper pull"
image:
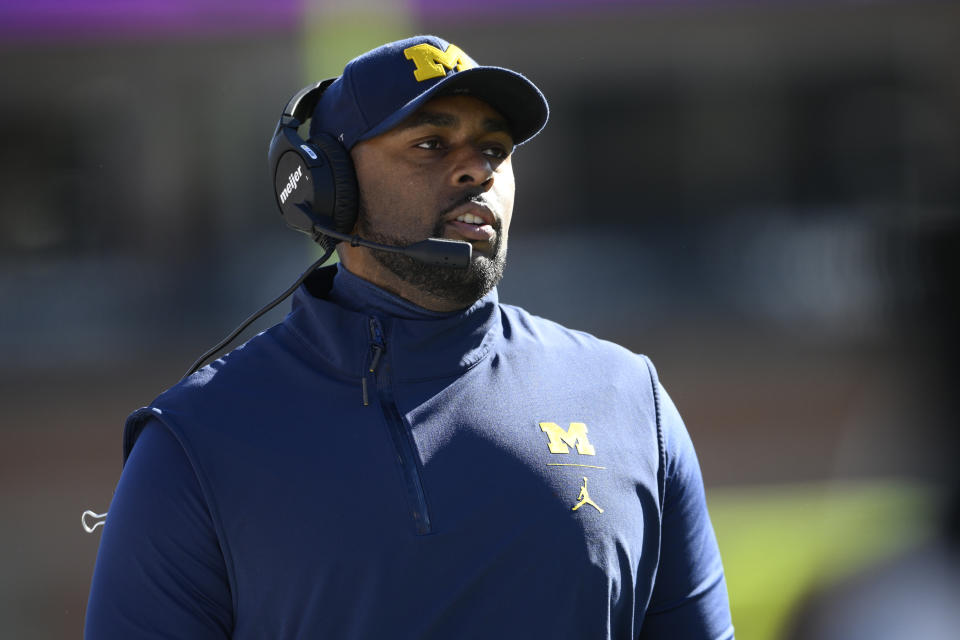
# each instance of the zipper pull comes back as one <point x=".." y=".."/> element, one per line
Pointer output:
<point x="377" y="347"/>
<point x="375" y="360"/>
<point x="377" y="343"/>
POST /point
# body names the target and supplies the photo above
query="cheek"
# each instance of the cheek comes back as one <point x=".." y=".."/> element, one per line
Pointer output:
<point x="381" y="196"/>
<point x="378" y="181"/>
<point x="401" y="198"/>
<point x="385" y="190"/>
<point x="396" y="206"/>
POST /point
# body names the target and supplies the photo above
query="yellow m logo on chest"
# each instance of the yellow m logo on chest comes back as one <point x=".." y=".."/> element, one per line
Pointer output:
<point x="433" y="63"/>
<point x="562" y="439"/>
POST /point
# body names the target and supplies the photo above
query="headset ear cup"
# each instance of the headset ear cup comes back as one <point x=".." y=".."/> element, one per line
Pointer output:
<point x="346" y="195"/>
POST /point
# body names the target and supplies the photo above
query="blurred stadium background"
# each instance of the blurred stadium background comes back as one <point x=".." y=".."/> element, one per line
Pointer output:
<point x="759" y="194"/>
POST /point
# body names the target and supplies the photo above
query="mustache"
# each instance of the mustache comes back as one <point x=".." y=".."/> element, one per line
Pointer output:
<point x="474" y="195"/>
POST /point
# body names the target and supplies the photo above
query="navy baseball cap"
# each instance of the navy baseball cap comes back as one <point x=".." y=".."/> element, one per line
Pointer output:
<point x="380" y="88"/>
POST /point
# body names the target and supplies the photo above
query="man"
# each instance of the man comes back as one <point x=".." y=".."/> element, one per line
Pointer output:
<point x="404" y="456"/>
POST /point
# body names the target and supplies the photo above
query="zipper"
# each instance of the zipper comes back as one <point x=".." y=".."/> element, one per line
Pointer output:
<point x="399" y="432"/>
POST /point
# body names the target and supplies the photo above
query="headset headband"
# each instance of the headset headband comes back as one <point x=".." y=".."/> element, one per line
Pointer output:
<point x="303" y="102"/>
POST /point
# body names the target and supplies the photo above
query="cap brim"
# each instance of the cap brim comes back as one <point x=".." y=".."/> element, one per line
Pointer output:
<point x="510" y="93"/>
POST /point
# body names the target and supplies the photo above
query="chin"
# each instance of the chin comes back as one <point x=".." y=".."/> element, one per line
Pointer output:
<point x="460" y="287"/>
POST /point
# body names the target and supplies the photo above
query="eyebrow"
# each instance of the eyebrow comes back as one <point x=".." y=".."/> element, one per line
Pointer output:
<point x="440" y="119"/>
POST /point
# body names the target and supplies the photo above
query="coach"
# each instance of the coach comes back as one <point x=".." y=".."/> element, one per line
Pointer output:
<point x="403" y="456"/>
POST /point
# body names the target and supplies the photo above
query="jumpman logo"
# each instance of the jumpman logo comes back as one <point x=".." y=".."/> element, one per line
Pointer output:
<point x="584" y="498"/>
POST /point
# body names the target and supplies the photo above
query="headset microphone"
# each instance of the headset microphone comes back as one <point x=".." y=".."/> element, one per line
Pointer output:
<point x="438" y="251"/>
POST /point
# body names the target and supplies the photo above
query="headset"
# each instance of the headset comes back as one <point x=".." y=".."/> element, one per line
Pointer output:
<point x="314" y="181"/>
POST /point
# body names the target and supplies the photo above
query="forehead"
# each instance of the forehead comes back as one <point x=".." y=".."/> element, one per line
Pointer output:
<point x="455" y="111"/>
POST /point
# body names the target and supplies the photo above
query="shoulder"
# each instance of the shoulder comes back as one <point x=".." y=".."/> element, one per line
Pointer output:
<point x="259" y="364"/>
<point x="221" y="393"/>
<point x="530" y="331"/>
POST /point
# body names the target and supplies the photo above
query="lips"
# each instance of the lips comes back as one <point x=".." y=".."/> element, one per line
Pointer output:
<point x="472" y="222"/>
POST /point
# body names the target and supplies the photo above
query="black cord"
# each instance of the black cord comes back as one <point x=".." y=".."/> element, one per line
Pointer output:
<point x="246" y="323"/>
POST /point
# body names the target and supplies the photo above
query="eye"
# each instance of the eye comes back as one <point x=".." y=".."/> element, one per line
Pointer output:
<point x="432" y="144"/>
<point x="496" y="151"/>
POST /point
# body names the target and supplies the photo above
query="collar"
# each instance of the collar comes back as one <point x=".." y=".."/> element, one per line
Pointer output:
<point x="420" y="344"/>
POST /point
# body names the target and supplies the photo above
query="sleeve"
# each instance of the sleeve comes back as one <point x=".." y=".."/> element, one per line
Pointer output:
<point x="689" y="599"/>
<point x="160" y="572"/>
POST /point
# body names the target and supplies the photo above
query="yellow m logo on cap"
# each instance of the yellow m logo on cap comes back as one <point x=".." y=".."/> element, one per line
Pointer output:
<point x="575" y="436"/>
<point x="433" y="63"/>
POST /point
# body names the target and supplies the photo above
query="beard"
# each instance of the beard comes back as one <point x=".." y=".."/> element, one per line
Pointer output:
<point x="460" y="286"/>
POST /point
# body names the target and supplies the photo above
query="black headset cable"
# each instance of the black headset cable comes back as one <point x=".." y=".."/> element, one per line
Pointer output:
<point x="246" y="323"/>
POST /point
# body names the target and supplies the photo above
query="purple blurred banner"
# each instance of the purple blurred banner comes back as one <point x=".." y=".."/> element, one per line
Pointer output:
<point x="70" y="19"/>
<point x="499" y="8"/>
<point x="429" y="7"/>
<point x="73" y="19"/>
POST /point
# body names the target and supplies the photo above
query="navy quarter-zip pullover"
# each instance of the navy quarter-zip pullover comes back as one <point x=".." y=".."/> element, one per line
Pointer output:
<point x="370" y="469"/>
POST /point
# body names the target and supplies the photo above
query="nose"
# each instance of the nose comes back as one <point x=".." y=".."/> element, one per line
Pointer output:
<point x="471" y="167"/>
